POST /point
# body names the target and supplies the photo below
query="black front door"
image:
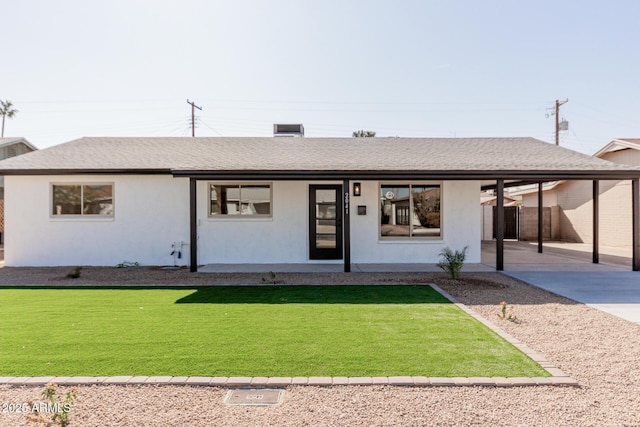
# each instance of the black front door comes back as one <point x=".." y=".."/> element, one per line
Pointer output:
<point x="325" y="222"/>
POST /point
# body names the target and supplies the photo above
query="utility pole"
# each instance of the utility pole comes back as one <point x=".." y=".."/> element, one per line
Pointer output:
<point x="557" y="113"/>
<point x="193" y="116"/>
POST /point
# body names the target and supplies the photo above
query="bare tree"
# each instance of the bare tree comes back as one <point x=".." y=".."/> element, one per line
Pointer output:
<point x="6" y="110"/>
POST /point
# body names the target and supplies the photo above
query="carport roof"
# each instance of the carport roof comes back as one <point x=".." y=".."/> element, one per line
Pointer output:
<point x="325" y="158"/>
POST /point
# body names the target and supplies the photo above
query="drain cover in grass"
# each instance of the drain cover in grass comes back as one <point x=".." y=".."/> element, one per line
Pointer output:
<point x="254" y="397"/>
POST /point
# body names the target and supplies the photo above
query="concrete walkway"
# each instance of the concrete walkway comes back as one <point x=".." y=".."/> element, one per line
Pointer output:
<point x="335" y="268"/>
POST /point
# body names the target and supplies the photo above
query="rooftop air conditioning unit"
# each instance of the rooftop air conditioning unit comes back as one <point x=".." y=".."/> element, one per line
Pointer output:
<point x="296" y="130"/>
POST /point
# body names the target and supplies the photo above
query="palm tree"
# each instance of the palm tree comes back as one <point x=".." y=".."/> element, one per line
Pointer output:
<point x="6" y="110"/>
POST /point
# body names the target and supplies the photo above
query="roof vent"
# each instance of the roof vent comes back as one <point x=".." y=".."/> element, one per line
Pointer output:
<point x="288" y="130"/>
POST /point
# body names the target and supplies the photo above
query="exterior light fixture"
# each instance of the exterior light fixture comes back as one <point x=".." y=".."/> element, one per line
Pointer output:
<point x="357" y="189"/>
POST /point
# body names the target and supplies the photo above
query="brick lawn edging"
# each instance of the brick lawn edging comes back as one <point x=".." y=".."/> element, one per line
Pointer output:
<point x="558" y="377"/>
<point x="249" y="382"/>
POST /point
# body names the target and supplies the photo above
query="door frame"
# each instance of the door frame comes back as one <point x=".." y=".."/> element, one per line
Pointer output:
<point x="325" y="253"/>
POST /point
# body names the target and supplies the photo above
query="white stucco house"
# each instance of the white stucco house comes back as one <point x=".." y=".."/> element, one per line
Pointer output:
<point x="100" y="201"/>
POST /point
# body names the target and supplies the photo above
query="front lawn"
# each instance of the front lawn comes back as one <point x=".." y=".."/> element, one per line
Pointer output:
<point x="248" y="331"/>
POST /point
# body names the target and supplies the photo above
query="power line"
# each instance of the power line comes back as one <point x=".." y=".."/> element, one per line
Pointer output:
<point x="204" y="123"/>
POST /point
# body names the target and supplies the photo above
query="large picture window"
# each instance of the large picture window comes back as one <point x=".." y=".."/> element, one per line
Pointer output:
<point x="410" y="210"/>
<point x="94" y="200"/>
<point x="240" y="199"/>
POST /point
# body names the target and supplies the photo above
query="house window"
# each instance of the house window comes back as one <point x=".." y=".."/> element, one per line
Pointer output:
<point x="240" y="199"/>
<point x="95" y="200"/>
<point x="410" y="211"/>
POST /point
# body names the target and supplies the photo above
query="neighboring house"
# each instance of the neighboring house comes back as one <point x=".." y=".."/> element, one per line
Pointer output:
<point x="574" y="199"/>
<point x="10" y="147"/>
<point x="489" y="199"/>
<point x="100" y="201"/>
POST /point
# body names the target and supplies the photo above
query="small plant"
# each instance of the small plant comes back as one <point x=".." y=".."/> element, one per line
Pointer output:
<point x="75" y="273"/>
<point x="272" y="275"/>
<point x="272" y="279"/>
<point x="506" y="313"/>
<point x="451" y="261"/>
<point x="125" y="264"/>
<point x="61" y="409"/>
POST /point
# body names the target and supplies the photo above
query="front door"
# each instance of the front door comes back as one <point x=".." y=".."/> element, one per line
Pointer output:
<point x="325" y="222"/>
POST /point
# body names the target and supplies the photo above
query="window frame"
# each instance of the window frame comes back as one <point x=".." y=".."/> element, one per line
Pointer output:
<point x="81" y="215"/>
<point x="226" y="217"/>
<point x="411" y="237"/>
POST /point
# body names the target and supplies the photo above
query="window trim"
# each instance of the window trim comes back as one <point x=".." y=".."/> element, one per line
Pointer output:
<point x="81" y="215"/>
<point x="410" y="238"/>
<point x="227" y="217"/>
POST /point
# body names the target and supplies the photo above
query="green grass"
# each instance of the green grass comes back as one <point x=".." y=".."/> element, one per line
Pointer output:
<point x="248" y="331"/>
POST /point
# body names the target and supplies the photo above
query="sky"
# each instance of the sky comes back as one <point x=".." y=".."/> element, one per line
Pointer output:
<point x="405" y="68"/>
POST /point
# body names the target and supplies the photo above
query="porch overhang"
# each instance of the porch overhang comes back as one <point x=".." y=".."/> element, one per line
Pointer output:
<point x="495" y="179"/>
<point x="511" y="177"/>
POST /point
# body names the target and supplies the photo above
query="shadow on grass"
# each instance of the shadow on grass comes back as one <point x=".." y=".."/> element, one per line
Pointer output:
<point x="280" y="294"/>
<point x="335" y="294"/>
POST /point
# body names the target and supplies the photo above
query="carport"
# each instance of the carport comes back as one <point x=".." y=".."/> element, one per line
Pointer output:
<point x="541" y="176"/>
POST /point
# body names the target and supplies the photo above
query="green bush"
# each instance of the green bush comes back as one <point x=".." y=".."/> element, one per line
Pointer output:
<point x="451" y="261"/>
<point x="75" y="273"/>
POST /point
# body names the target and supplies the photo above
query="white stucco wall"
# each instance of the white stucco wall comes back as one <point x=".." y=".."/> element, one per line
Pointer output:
<point x="487" y="222"/>
<point x="151" y="212"/>
<point x="461" y="226"/>
<point x="283" y="238"/>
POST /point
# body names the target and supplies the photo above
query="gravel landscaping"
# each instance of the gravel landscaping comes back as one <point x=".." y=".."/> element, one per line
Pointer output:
<point x="600" y="351"/>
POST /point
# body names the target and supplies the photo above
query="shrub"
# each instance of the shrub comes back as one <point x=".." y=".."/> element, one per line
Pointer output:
<point x="506" y="314"/>
<point x="61" y="409"/>
<point x="75" y="273"/>
<point x="451" y="261"/>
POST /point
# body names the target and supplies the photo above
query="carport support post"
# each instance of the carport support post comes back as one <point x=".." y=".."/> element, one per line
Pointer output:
<point x="346" y="229"/>
<point x="500" y="225"/>
<point x="635" y="206"/>
<point x="596" y="221"/>
<point x="540" y="217"/>
<point x="193" y="225"/>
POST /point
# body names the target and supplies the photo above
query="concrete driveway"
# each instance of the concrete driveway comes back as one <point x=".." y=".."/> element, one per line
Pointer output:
<point x="614" y="292"/>
<point x="566" y="269"/>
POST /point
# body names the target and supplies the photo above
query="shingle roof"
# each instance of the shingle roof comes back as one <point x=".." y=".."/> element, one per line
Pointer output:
<point x="306" y="154"/>
<point x="16" y="140"/>
<point x="618" y="144"/>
